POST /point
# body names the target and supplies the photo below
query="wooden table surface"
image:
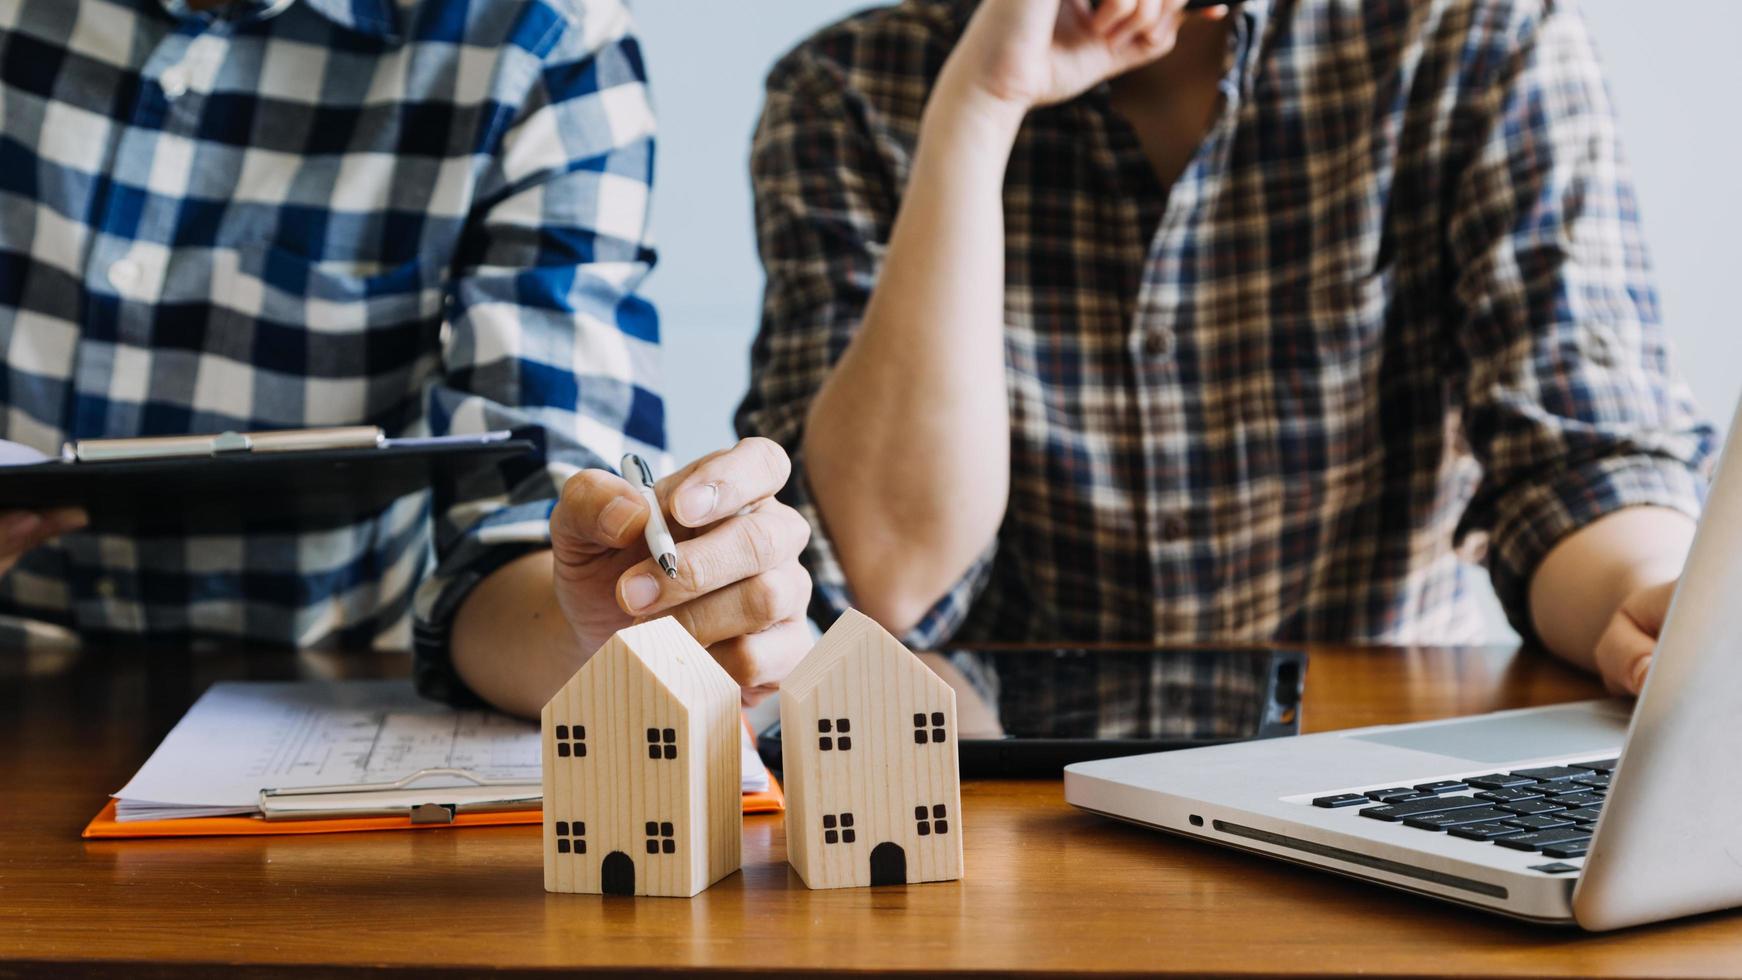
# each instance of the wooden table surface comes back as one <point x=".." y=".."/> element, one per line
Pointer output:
<point x="1047" y="888"/>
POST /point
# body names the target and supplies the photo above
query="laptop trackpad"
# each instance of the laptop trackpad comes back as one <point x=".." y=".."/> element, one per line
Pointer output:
<point x="1564" y="730"/>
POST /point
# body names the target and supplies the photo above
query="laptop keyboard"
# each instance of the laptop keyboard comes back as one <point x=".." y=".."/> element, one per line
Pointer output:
<point x="1551" y="809"/>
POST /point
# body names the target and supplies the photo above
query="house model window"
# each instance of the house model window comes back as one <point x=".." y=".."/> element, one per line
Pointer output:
<point x="571" y="838"/>
<point x="571" y="741"/>
<point x="660" y="838"/>
<point x="832" y="734"/>
<point x="934" y="821"/>
<point x="838" y="828"/>
<point x="661" y="743"/>
<point x="920" y="726"/>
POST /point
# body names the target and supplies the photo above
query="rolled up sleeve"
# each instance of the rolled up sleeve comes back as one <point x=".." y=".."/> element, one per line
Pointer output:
<point x="545" y="333"/>
<point x="1570" y="402"/>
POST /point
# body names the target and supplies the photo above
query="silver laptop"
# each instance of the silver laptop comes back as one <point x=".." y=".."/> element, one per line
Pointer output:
<point x="1602" y="813"/>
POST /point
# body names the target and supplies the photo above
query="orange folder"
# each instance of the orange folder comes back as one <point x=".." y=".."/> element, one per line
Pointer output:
<point x="105" y="826"/>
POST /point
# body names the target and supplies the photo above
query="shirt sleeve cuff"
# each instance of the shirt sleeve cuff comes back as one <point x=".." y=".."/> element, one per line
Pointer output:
<point x="502" y="537"/>
<point x="830" y="596"/>
<point x="1535" y="518"/>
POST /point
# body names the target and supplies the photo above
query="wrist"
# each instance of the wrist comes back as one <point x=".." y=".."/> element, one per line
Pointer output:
<point x="961" y="110"/>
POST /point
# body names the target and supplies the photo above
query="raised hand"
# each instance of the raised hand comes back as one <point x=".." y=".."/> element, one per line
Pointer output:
<point x="1028" y="53"/>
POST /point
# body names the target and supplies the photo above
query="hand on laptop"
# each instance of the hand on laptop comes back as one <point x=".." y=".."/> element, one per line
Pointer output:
<point x="1624" y="650"/>
<point x="22" y="530"/>
<point x="740" y="590"/>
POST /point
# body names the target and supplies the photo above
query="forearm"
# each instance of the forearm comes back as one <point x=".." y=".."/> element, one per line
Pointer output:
<point x="511" y="643"/>
<point x="907" y="444"/>
<point x="1584" y="578"/>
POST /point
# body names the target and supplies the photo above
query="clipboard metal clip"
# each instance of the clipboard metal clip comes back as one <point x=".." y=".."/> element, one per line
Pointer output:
<point x="224" y="444"/>
<point x="400" y="798"/>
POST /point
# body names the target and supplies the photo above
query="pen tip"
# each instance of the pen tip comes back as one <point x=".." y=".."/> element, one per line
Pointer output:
<point x="669" y="564"/>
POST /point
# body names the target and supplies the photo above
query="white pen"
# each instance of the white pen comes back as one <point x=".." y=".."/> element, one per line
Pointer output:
<point x="659" y="540"/>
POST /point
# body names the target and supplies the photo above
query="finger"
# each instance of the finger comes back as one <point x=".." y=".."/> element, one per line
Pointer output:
<point x="1159" y="38"/>
<point x="762" y="660"/>
<point x="1623" y="656"/>
<point x="18" y="530"/>
<point x="766" y="537"/>
<point x="46" y="532"/>
<point x="597" y="511"/>
<point x="750" y="606"/>
<point x="1146" y="16"/>
<point x="1110" y="14"/>
<point x="721" y="484"/>
<point x="1637" y="672"/>
<point x="25" y="530"/>
<point x="64" y="519"/>
<point x="1625" y="648"/>
<point x="750" y="697"/>
<point x="1624" y="668"/>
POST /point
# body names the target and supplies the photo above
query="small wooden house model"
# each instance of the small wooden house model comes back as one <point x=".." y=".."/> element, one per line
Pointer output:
<point x="868" y="742"/>
<point x="641" y="769"/>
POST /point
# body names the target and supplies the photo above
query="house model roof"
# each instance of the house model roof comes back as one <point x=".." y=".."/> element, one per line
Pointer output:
<point x="853" y="632"/>
<point x="671" y="657"/>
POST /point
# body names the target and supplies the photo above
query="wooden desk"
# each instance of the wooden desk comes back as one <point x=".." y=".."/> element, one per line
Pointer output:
<point x="1048" y="888"/>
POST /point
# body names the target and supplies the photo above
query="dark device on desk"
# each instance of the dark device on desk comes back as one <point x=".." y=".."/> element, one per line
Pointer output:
<point x="1030" y="711"/>
<point x="291" y="480"/>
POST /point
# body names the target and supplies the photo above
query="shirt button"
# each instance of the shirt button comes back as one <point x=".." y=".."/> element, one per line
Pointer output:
<point x="1173" y="528"/>
<point x="1157" y="344"/>
<point x="174" y="82"/>
<point x="124" y="275"/>
<point x="106" y="587"/>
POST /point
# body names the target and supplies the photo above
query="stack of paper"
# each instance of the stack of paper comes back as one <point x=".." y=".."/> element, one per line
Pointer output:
<point x="242" y="737"/>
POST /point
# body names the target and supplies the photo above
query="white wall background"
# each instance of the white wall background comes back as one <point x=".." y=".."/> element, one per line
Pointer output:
<point x="1669" y="67"/>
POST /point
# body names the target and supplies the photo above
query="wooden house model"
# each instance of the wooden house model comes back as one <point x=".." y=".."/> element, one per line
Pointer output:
<point x="642" y="769"/>
<point x="868" y="742"/>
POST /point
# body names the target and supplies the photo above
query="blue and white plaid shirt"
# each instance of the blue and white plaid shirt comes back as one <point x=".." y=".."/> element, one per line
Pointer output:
<point x="428" y="216"/>
<point x="1399" y="301"/>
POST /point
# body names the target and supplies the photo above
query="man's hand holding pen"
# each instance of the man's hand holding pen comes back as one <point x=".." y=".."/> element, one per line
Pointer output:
<point x="739" y="588"/>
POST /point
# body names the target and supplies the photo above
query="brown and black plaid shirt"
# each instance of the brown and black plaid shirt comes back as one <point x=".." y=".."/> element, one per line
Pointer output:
<point x="1395" y="314"/>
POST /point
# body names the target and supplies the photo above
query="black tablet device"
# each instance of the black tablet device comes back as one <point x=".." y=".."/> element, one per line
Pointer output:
<point x="1030" y="711"/>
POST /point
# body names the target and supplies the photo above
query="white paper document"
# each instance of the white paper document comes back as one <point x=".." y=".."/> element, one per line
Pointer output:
<point x="18" y="454"/>
<point x="242" y="737"/>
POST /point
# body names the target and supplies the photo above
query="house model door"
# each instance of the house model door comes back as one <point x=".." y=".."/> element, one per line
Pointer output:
<point x="617" y="874"/>
<point x="888" y="864"/>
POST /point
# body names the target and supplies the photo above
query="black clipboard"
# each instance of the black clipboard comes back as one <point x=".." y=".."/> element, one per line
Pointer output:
<point x="298" y="484"/>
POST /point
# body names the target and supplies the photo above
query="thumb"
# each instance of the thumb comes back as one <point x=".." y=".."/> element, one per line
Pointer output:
<point x="598" y="512"/>
<point x="1623" y="656"/>
<point x="1624" y="652"/>
<point x="1634" y="678"/>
